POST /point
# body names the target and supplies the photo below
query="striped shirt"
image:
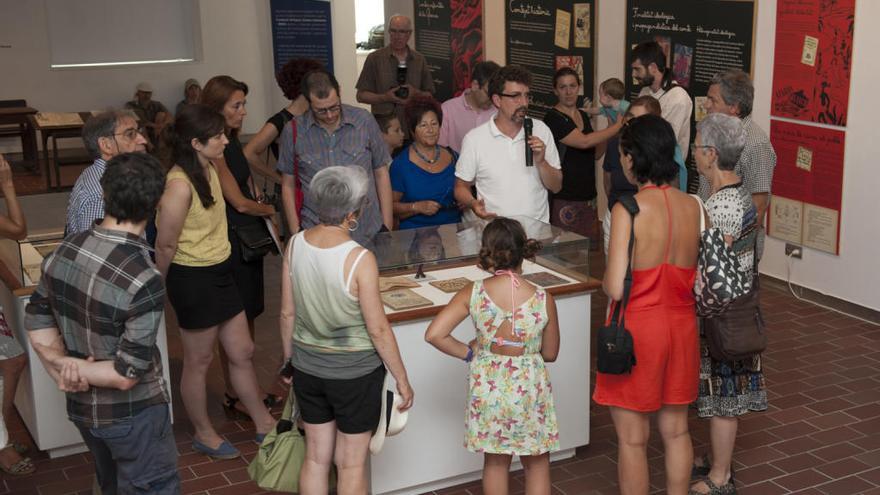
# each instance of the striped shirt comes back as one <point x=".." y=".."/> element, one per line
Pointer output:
<point x="106" y="298"/>
<point x="755" y="167"/>
<point x="357" y="141"/>
<point x="86" y="199"/>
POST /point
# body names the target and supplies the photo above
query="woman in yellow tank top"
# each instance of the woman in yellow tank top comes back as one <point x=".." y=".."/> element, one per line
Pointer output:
<point x="192" y="252"/>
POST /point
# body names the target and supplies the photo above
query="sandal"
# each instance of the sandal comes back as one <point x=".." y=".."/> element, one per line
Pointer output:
<point x="701" y="470"/>
<point x="726" y="489"/>
<point x="23" y="467"/>
<point x="20" y="448"/>
<point x="229" y="404"/>
<point x="271" y="401"/>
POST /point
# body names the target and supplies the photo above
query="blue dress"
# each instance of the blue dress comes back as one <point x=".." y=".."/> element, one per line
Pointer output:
<point x="417" y="184"/>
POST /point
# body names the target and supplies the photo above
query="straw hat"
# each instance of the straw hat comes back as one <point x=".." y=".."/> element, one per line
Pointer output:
<point x="391" y="421"/>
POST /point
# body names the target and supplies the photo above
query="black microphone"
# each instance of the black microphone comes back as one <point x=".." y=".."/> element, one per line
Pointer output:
<point x="527" y="127"/>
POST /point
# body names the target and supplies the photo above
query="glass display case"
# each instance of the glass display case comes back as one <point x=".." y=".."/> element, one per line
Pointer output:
<point x="443" y="246"/>
<point x="25" y="257"/>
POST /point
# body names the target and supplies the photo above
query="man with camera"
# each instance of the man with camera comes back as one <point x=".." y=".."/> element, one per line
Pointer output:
<point x="393" y="74"/>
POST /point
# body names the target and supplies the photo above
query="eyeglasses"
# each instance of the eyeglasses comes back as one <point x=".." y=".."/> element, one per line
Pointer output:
<point x="325" y="111"/>
<point x="424" y="126"/>
<point x="695" y="147"/>
<point x="516" y="96"/>
<point x="131" y="133"/>
<point x="400" y="31"/>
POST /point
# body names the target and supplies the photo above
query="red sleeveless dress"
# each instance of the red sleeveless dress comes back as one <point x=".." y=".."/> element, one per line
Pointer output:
<point x="660" y="315"/>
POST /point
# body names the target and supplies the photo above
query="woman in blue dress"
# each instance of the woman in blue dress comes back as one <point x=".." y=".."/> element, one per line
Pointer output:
<point x="423" y="174"/>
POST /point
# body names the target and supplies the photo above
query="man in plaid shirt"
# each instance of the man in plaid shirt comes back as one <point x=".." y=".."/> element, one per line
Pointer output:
<point x="93" y="321"/>
<point x="732" y="92"/>
<point x="105" y="135"/>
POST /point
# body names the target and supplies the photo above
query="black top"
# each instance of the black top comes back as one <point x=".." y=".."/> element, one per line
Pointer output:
<point x="578" y="165"/>
<point x="238" y="166"/>
<point x="619" y="185"/>
<point x="279" y="120"/>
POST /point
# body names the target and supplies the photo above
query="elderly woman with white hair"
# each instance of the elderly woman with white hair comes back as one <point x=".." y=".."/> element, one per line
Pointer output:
<point x="336" y="335"/>
<point x="727" y="389"/>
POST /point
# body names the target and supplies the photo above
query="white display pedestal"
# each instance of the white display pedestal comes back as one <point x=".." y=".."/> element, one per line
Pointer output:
<point x="429" y="454"/>
<point x="39" y="402"/>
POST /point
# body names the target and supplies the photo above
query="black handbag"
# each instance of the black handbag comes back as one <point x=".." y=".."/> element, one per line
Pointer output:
<point x="615" y="352"/>
<point x="255" y="240"/>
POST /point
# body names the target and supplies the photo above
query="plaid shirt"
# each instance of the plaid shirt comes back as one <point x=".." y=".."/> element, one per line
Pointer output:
<point x="86" y="199"/>
<point x="106" y="298"/>
<point x="357" y="141"/>
<point x="755" y="166"/>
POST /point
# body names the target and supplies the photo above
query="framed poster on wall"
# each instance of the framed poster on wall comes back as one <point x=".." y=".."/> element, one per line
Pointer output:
<point x="449" y="33"/>
<point x="546" y="36"/>
<point x="813" y="60"/>
<point x="301" y="29"/>
<point x="699" y="37"/>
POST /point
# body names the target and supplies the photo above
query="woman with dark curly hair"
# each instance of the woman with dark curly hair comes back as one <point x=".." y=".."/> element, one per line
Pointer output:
<point x="423" y="174"/>
<point x="510" y="411"/>
<point x="288" y="78"/>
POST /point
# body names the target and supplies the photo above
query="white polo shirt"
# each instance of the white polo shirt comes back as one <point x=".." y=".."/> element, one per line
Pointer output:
<point x="496" y="164"/>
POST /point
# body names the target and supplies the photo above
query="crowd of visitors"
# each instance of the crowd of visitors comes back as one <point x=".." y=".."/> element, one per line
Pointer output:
<point x="94" y="317"/>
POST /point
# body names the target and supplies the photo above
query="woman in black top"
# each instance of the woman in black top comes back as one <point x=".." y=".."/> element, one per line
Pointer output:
<point x="288" y="78"/>
<point x="573" y="208"/>
<point x="228" y="97"/>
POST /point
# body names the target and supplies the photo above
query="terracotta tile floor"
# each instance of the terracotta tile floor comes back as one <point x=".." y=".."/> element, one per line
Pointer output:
<point x="820" y="436"/>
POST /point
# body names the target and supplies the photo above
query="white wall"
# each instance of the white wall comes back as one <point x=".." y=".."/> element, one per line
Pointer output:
<point x="236" y="40"/>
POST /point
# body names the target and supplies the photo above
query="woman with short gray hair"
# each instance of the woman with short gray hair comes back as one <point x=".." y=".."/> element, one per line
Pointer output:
<point x="336" y="336"/>
<point x="727" y="389"/>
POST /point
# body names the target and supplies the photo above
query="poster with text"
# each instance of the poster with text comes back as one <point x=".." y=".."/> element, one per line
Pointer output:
<point x="807" y="185"/>
<point x="546" y="36"/>
<point x="301" y="29"/>
<point x="813" y="60"/>
<point x="449" y="33"/>
<point x="700" y="38"/>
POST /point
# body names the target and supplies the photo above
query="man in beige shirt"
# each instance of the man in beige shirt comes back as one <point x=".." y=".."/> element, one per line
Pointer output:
<point x="394" y="74"/>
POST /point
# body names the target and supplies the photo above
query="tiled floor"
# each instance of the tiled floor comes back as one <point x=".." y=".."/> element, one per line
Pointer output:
<point x="820" y="436"/>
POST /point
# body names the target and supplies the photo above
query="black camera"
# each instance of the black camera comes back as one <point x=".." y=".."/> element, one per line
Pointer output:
<point x="402" y="92"/>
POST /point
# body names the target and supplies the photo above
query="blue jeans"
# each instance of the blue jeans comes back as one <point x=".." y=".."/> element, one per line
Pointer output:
<point x="137" y="455"/>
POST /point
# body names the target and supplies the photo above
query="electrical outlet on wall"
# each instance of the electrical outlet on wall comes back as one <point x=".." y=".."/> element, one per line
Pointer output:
<point x="793" y="250"/>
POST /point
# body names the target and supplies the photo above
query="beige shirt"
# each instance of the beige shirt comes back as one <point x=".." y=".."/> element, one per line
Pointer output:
<point x="380" y="74"/>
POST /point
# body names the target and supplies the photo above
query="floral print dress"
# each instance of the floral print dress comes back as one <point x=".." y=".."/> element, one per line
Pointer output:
<point x="510" y="408"/>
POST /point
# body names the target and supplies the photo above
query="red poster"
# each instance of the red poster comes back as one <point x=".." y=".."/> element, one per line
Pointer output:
<point x="467" y="41"/>
<point x="813" y="59"/>
<point x="809" y="178"/>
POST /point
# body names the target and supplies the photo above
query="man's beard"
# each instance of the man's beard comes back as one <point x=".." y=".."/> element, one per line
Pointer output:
<point x="646" y="81"/>
<point x="519" y="116"/>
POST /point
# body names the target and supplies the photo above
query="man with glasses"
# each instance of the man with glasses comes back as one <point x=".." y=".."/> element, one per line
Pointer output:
<point x="472" y="108"/>
<point x="493" y="157"/>
<point x="105" y="135"/>
<point x="731" y="92"/>
<point x="393" y="74"/>
<point x="332" y="134"/>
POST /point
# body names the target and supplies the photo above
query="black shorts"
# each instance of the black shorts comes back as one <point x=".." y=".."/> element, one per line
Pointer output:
<point x="355" y="404"/>
<point x="202" y="296"/>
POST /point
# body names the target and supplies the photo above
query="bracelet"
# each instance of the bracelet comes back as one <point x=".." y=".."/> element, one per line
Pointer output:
<point x="470" y="355"/>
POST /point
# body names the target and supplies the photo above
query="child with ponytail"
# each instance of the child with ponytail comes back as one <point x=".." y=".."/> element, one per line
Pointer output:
<point x="510" y="407"/>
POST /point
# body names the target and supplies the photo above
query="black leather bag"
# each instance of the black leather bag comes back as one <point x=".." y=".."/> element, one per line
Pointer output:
<point x="615" y="349"/>
<point x="739" y="332"/>
<point x="255" y="240"/>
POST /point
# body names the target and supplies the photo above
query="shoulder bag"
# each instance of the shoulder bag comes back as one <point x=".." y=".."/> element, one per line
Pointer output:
<point x="615" y="353"/>
<point x="720" y="279"/>
<point x="254" y="237"/>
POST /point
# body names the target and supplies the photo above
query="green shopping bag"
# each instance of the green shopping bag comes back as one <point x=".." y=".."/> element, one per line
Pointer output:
<point x="281" y="455"/>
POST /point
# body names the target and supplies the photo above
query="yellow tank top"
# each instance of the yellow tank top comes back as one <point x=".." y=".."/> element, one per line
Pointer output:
<point x="204" y="240"/>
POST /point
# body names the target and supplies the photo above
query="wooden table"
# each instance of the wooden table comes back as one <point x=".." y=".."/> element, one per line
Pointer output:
<point x="19" y="116"/>
<point x="55" y="132"/>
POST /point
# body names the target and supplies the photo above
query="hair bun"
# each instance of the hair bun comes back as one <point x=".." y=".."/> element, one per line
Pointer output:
<point x="531" y="248"/>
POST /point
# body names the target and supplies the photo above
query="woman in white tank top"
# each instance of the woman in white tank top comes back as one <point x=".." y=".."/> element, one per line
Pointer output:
<point x="335" y="333"/>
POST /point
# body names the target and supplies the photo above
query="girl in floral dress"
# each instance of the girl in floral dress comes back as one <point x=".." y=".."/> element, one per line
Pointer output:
<point x="510" y="404"/>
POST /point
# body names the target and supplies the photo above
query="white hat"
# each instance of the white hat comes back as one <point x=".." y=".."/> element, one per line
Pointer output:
<point x="392" y="420"/>
<point x="145" y="87"/>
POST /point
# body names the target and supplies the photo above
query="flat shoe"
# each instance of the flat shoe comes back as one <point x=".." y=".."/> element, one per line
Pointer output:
<point x="229" y="405"/>
<point x="258" y="439"/>
<point x="698" y="472"/>
<point x="224" y="451"/>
